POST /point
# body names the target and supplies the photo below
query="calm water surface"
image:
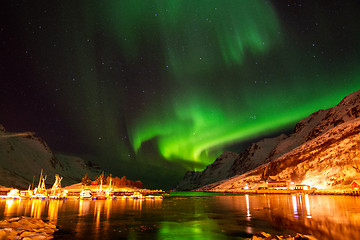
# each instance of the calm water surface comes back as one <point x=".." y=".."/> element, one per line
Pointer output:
<point x="196" y="216"/>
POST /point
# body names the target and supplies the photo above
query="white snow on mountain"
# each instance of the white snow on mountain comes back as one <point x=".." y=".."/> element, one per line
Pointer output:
<point x="327" y="132"/>
<point x="22" y="156"/>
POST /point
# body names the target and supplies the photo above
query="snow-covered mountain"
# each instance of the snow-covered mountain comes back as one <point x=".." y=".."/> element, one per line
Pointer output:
<point x="216" y="171"/>
<point x="230" y="164"/>
<point x="22" y="156"/>
<point x="323" y="150"/>
<point x="255" y="155"/>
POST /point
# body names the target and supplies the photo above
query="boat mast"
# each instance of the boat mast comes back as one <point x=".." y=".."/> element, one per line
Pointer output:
<point x="32" y="185"/>
<point x="40" y="179"/>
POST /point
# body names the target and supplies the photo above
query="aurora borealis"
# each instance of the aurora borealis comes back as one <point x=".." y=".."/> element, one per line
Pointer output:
<point x="150" y="89"/>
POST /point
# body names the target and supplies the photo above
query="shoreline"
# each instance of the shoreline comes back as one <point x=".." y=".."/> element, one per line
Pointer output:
<point x="75" y="189"/>
<point x="119" y="191"/>
<point x="338" y="192"/>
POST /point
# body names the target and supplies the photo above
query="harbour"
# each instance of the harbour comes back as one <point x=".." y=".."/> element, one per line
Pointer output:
<point x="195" y="215"/>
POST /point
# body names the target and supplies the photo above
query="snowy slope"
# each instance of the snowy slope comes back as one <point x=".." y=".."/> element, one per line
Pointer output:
<point x="230" y="164"/>
<point x="22" y="156"/>
<point x="323" y="151"/>
<point x="255" y="155"/>
<point x="269" y="150"/>
<point x="216" y="171"/>
<point x="328" y="161"/>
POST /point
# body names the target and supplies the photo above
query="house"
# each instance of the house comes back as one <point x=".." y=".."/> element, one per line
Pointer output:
<point x="261" y="186"/>
<point x="302" y="187"/>
<point x="278" y="185"/>
<point x="355" y="185"/>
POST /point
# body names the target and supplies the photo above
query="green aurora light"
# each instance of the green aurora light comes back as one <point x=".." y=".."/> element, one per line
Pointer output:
<point x="170" y="85"/>
<point x="209" y="106"/>
<point x="228" y="74"/>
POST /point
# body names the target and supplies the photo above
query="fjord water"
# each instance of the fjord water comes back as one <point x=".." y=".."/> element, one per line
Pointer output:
<point x="196" y="216"/>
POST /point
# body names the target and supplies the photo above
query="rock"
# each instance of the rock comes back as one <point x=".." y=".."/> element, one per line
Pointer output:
<point x="8" y="230"/>
<point x="14" y="219"/>
<point x="26" y="228"/>
<point x="39" y="237"/>
<point x="303" y="237"/>
<point x="45" y="230"/>
<point x="267" y="236"/>
<point x="287" y="237"/>
<point x="261" y="235"/>
<point x="24" y="222"/>
<point x="33" y="235"/>
<point x="2" y="234"/>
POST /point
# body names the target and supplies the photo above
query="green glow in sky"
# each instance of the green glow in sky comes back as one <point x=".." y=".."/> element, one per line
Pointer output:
<point x="150" y="89"/>
<point x="219" y="96"/>
<point x="205" y="75"/>
<point x="200" y="130"/>
<point x="192" y="124"/>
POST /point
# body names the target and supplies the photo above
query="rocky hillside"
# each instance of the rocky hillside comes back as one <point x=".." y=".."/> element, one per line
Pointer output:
<point x="22" y="156"/>
<point x="230" y="164"/>
<point x="323" y="132"/>
<point x="255" y="155"/>
<point x="216" y="171"/>
<point x="328" y="161"/>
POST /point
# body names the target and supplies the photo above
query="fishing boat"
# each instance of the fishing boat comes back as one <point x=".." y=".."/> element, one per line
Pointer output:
<point x="40" y="192"/>
<point x="26" y="194"/>
<point x="135" y="196"/>
<point x="86" y="194"/>
<point x="100" y="193"/>
<point x="154" y="197"/>
<point x="109" y="192"/>
<point x="13" y="194"/>
<point x="56" y="191"/>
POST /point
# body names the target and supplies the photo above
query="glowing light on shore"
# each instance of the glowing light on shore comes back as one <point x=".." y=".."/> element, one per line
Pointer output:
<point x="294" y="203"/>
<point x="307" y="205"/>
<point x="315" y="183"/>
<point x="248" y="215"/>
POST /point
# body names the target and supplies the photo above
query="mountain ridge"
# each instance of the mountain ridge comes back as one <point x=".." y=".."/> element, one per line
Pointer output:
<point x="335" y="123"/>
<point x="22" y="156"/>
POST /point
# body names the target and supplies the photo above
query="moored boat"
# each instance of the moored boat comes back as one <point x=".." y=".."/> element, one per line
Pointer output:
<point x="13" y="194"/>
<point x="56" y="191"/>
<point x="109" y="192"/>
<point x="135" y="196"/>
<point x="39" y="196"/>
<point x="86" y="194"/>
<point x="40" y="192"/>
<point x="26" y="194"/>
<point x="154" y="197"/>
<point x="61" y="195"/>
<point x="100" y="192"/>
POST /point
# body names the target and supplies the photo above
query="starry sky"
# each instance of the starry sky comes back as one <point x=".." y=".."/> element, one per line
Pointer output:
<point x="151" y="89"/>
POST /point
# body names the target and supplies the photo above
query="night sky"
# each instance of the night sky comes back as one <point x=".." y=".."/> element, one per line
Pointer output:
<point x="151" y="89"/>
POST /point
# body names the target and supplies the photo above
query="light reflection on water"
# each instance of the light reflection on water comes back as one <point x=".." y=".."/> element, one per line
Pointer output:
<point x="196" y="217"/>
